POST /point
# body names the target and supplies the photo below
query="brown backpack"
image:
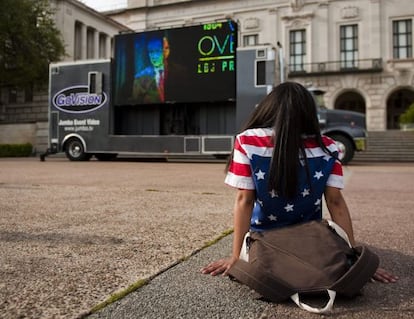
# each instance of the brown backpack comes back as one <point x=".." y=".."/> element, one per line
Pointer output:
<point x="305" y="258"/>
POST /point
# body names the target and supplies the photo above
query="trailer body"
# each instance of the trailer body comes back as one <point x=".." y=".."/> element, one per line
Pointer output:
<point x="94" y="113"/>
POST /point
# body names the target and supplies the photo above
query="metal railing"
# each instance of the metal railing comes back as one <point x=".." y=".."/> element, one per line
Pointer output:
<point x="335" y="67"/>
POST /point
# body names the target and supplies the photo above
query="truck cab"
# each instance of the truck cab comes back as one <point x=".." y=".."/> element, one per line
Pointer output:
<point x="347" y="128"/>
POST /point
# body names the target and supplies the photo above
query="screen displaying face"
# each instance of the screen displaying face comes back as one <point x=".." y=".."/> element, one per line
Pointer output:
<point x="191" y="64"/>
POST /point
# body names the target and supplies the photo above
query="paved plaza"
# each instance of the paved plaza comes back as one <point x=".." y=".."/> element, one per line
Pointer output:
<point x="74" y="234"/>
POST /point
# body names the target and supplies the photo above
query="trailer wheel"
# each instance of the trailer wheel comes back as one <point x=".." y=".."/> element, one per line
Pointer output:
<point x="75" y="151"/>
<point x="106" y="156"/>
<point x="345" y="146"/>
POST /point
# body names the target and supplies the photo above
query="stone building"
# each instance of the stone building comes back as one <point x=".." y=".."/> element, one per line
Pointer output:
<point x="360" y="52"/>
<point x="87" y="34"/>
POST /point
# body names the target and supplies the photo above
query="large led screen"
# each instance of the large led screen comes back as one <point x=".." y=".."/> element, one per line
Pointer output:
<point x="189" y="64"/>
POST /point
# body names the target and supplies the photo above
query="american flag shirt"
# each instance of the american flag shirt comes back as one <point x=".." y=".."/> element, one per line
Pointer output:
<point x="249" y="169"/>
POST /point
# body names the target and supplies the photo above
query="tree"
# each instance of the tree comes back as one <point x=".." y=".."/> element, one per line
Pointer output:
<point x="408" y="116"/>
<point x="29" y="41"/>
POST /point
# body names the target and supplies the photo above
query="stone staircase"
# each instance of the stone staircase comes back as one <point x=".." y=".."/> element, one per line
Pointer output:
<point x="388" y="146"/>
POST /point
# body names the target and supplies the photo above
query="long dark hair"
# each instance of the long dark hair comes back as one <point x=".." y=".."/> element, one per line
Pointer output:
<point x="290" y="110"/>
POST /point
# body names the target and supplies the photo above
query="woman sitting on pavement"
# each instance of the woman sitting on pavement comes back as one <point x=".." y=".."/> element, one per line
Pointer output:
<point x="273" y="162"/>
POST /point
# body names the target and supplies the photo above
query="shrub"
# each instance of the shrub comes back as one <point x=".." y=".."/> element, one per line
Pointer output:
<point x="16" y="150"/>
<point x="408" y="116"/>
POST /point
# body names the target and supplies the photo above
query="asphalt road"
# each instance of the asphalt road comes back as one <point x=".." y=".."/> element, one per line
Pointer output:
<point x="73" y="234"/>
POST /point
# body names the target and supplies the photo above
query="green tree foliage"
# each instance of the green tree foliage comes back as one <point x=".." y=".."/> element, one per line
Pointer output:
<point x="408" y="116"/>
<point x="29" y="41"/>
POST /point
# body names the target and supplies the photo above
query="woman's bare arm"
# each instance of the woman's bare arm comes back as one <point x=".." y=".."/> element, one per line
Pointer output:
<point x="339" y="211"/>
<point x="340" y="214"/>
<point x="242" y="212"/>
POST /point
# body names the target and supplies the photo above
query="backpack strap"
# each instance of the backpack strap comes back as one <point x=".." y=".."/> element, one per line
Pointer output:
<point x="263" y="282"/>
<point x="359" y="274"/>
<point x="339" y="230"/>
<point x="328" y="307"/>
<point x="272" y="288"/>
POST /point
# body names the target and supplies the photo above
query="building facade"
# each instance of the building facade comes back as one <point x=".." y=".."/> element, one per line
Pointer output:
<point x="360" y="52"/>
<point x="87" y="34"/>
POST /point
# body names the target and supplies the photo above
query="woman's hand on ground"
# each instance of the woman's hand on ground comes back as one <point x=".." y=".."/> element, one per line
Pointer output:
<point x="218" y="267"/>
<point x="384" y="276"/>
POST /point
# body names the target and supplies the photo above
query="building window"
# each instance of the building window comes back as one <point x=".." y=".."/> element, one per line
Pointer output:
<point x="28" y="93"/>
<point x="102" y="46"/>
<point x="297" y="50"/>
<point x="251" y="39"/>
<point x="402" y="39"/>
<point x="90" y="43"/>
<point x="349" y="46"/>
<point x="12" y="95"/>
<point x="77" y="54"/>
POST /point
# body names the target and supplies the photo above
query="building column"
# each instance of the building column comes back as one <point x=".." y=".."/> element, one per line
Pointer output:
<point x="376" y="45"/>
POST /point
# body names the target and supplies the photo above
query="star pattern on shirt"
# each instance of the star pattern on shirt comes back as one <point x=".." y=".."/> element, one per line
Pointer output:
<point x="271" y="207"/>
<point x="318" y="175"/>
<point x="272" y="217"/>
<point x="306" y="192"/>
<point x="273" y="194"/>
<point x="260" y="174"/>
<point x="289" y="208"/>
<point x="318" y="204"/>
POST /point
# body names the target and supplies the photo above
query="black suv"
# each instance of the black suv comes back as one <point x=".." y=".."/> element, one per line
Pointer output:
<point x="347" y="128"/>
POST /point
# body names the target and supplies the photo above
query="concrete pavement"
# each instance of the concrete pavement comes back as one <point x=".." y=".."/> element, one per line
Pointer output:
<point x="381" y="200"/>
<point x="73" y="234"/>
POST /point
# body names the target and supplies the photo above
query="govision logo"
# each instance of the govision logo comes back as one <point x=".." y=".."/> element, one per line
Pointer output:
<point x="76" y="99"/>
